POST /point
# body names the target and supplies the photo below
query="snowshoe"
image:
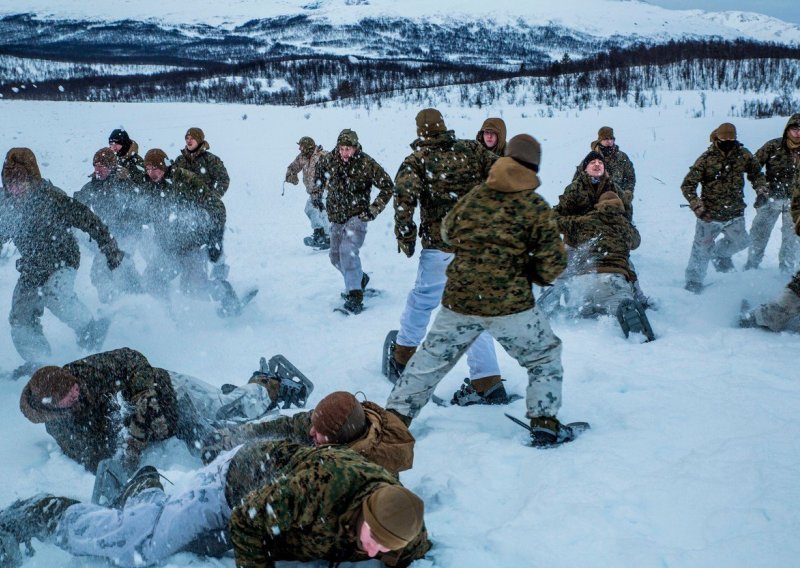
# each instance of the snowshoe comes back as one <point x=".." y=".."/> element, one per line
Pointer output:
<point x="549" y="432"/>
<point x="293" y="387"/>
<point x="318" y="241"/>
<point x="92" y="336"/>
<point x="36" y="517"/>
<point x="25" y="370"/>
<point x="632" y="318"/>
<point x="746" y="317"/>
<point x="467" y="395"/>
<point x="108" y="481"/>
<point x="230" y="303"/>
<point x="388" y="355"/>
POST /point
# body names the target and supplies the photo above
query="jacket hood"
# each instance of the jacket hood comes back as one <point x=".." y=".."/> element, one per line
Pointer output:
<point x="794" y="120"/>
<point x="497" y="125"/>
<point x="387" y="440"/>
<point x="509" y="176"/>
<point x="20" y="166"/>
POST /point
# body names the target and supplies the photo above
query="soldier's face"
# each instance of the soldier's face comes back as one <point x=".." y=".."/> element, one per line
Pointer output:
<point x="318" y="439"/>
<point x="347" y="152"/>
<point x="115" y="147"/>
<point x="595" y="168"/>
<point x="191" y="144"/>
<point x="101" y="172"/>
<point x="70" y="398"/>
<point x="794" y="133"/>
<point x="368" y="544"/>
<point x="155" y="174"/>
<point x="489" y="138"/>
<point x="607" y="142"/>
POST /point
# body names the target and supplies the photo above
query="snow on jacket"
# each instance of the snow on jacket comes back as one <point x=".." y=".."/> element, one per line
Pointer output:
<point x="580" y="197"/>
<point x="206" y="165"/>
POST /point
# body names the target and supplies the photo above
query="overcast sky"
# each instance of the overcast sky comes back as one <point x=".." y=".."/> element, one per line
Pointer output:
<point x="788" y="10"/>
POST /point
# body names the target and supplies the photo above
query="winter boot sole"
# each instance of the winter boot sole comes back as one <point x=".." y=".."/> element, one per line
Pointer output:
<point x="388" y="353"/>
<point x="632" y="318"/>
<point x="279" y="366"/>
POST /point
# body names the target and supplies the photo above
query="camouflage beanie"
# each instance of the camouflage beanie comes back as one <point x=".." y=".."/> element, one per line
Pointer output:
<point x="526" y="150"/>
<point x="609" y="200"/>
<point x="590" y="157"/>
<point x="306" y="142"/>
<point x="339" y="417"/>
<point x="347" y="137"/>
<point x="605" y="132"/>
<point x="20" y="167"/>
<point x="726" y="131"/>
<point x="430" y="121"/>
<point x="46" y="388"/>
<point x="105" y="157"/>
<point x="394" y="515"/>
<point x="197" y="134"/>
<point x="156" y="159"/>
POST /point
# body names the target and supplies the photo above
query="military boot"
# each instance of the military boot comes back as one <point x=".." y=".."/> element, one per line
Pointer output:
<point x="400" y="357"/>
<point x="544" y="431"/>
<point x="321" y="240"/>
<point x="354" y="303"/>
<point x="724" y="264"/>
<point x="146" y="477"/>
<point x="488" y="390"/>
<point x="36" y="517"/>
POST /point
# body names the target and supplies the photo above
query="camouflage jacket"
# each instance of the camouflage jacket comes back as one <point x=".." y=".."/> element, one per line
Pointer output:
<point x="307" y="505"/>
<point x="620" y="168"/>
<point x="504" y="236"/>
<point x="124" y="404"/>
<point x="119" y="203"/>
<point x="134" y="164"/>
<point x="612" y="237"/>
<point x="187" y="215"/>
<point x="40" y="222"/>
<point x="387" y="441"/>
<point x="782" y="163"/>
<point x="440" y="171"/>
<point x="579" y="198"/>
<point x="206" y="165"/>
<point x="349" y="185"/>
<point x="308" y="165"/>
<point x="721" y="179"/>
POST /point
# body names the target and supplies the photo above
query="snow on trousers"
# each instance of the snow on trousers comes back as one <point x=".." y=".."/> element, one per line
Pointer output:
<point x="249" y="401"/>
<point x="152" y="525"/>
<point x="319" y="219"/>
<point x="426" y="297"/>
<point x="706" y="247"/>
<point x="526" y="336"/>
<point x="346" y="241"/>
<point x="190" y="266"/>
<point x="776" y="315"/>
<point x="760" y="231"/>
<point x="124" y="279"/>
<point x="598" y="293"/>
<point x="27" y="307"/>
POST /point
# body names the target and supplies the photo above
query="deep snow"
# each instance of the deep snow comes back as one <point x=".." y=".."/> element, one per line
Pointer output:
<point x="691" y="460"/>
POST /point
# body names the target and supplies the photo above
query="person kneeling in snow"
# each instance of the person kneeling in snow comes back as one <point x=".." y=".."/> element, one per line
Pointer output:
<point x="271" y="500"/>
<point x="338" y="419"/>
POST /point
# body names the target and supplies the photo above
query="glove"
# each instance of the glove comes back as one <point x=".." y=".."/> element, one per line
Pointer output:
<point x="700" y="211"/>
<point x="214" y="252"/>
<point x="761" y="199"/>
<point x="316" y="202"/>
<point x="407" y="247"/>
<point x="114" y="258"/>
<point x="367" y="216"/>
<point x="292" y="179"/>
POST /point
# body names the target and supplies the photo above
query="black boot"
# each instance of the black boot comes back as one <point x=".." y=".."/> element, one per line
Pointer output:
<point x="146" y="477"/>
<point x="467" y="395"/>
<point x="364" y="281"/>
<point x="354" y="303"/>
<point x="25" y="519"/>
<point x="724" y="264"/>
<point x="321" y="240"/>
<point x="544" y="431"/>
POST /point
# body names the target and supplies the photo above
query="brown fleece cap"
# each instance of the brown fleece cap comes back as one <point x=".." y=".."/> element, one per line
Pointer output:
<point x="430" y="121"/>
<point x="105" y="157"/>
<point x="605" y="132"/>
<point x="394" y="515"/>
<point x="726" y="131"/>
<point x="526" y="149"/>
<point x="197" y="134"/>
<point x="46" y="388"/>
<point x="340" y="417"/>
<point x="156" y="159"/>
<point x="20" y="167"/>
<point x="609" y="200"/>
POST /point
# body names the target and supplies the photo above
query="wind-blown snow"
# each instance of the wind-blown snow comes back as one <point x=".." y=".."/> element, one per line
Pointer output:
<point x="599" y="18"/>
<point x="692" y="459"/>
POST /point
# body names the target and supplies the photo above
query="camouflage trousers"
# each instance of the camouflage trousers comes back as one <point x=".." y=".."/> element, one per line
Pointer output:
<point x="426" y="297"/>
<point x="28" y="302"/>
<point x="777" y="314"/>
<point x="706" y="246"/>
<point x="319" y="219"/>
<point x="761" y="229"/>
<point x="526" y="336"/>
<point x="152" y="525"/>
<point x="346" y="242"/>
<point x="598" y="293"/>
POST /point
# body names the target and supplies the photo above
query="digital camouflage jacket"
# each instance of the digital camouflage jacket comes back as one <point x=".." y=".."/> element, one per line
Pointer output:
<point x="580" y="197"/>
<point x="206" y="165"/>
<point x="782" y="162"/>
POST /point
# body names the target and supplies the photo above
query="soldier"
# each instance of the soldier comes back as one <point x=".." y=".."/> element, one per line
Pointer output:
<point x="272" y="501"/>
<point x="720" y="171"/>
<point x="505" y="237"/>
<point x="189" y="223"/>
<point x="38" y="217"/>
<point x="781" y="157"/>
<point x="127" y="154"/>
<point x="338" y="419"/>
<point x="492" y="136"/>
<point x="307" y="161"/>
<point x="617" y="163"/>
<point x="121" y="206"/>
<point x="348" y="174"/>
<point x="440" y="171"/>
<point x="196" y="158"/>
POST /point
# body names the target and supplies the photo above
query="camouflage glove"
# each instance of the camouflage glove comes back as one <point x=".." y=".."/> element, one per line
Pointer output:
<point x="214" y="252"/>
<point x="406" y="247"/>
<point x="367" y="216"/>
<point x="292" y="179"/>
<point x="114" y="257"/>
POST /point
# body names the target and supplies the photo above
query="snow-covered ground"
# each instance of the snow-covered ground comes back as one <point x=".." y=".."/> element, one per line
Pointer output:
<point x="691" y="460"/>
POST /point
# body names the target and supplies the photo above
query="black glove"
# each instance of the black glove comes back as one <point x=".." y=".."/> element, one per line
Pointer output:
<point x="214" y="252"/>
<point x="367" y="216"/>
<point x="407" y="247"/>
<point x="316" y="202"/>
<point x="114" y="258"/>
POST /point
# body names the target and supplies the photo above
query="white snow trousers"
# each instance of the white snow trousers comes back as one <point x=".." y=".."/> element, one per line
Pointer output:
<point x="598" y="293"/>
<point x="319" y="219"/>
<point x="426" y="297"/>
<point x="706" y="247"/>
<point x="346" y="241"/>
<point x="761" y="229"/>
<point x="526" y="336"/>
